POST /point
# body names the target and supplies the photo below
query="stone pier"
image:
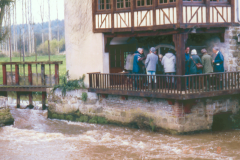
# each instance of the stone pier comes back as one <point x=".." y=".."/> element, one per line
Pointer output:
<point x="157" y="115"/>
<point x="6" y="117"/>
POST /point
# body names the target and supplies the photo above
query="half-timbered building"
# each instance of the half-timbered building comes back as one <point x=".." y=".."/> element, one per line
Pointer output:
<point x="100" y="34"/>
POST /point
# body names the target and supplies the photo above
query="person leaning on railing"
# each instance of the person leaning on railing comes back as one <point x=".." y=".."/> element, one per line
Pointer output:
<point x="218" y="65"/>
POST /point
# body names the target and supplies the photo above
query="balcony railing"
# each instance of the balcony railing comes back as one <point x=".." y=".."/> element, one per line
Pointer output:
<point x="179" y="87"/>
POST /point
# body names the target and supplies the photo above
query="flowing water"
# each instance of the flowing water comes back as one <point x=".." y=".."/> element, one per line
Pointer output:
<point x="34" y="137"/>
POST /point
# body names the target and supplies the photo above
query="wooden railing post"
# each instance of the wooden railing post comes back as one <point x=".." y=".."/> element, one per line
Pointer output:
<point x="56" y="74"/>
<point x="233" y="11"/>
<point x="208" y="11"/>
<point x="30" y="98"/>
<point x="18" y="99"/>
<point x="30" y="74"/>
<point x="17" y="74"/>
<point x="44" y="95"/>
<point x="4" y="70"/>
<point x="43" y="74"/>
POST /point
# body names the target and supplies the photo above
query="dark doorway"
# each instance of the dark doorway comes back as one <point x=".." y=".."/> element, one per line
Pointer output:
<point x="117" y="55"/>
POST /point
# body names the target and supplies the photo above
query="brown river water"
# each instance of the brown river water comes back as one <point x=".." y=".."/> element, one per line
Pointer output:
<point x="34" y="137"/>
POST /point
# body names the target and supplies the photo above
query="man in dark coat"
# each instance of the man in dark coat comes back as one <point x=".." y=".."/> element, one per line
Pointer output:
<point x="218" y="66"/>
<point x="193" y="60"/>
<point x="218" y="62"/>
<point x="137" y="65"/>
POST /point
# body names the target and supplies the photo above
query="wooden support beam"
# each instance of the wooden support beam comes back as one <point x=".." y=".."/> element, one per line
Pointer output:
<point x="180" y="41"/>
<point x="43" y="74"/>
<point x="30" y="74"/>
<point x="179" y="9"/>
<point x="208" y="11"/>
<point x="4" y="70"/>
<point x="132" y="15"/>
<point x="233" y="11"/>
<point x="18" y="99"/>
<point x="94" y="6"/>
<point x="154" y="13"/>
<point x="44" y="96"/>
<point x="56" y="74"/>
<point x="112" y="14"/>
<point x="17" y="74"/>
<point x="30" y="98"/>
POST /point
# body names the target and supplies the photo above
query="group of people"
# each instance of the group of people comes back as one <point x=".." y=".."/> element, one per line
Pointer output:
<point x="158" y="64"/>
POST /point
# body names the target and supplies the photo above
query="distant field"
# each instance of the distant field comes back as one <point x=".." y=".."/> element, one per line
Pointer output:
<point x="62" y="67"/>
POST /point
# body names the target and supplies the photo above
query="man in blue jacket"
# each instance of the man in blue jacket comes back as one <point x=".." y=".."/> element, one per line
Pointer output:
<point x="137" y="65"/>
<point x="218" y="66"/>
<point x="218" y="61"/>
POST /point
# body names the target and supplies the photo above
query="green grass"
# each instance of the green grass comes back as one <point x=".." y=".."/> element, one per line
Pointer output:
<point x="62" y="67"/>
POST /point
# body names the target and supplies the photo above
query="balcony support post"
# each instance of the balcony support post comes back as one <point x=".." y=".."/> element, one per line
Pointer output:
<point x="180" y="41"/>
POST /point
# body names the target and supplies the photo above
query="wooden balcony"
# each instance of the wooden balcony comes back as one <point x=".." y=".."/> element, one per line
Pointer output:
<point x="184" y="87"/>
<point x="130" y="15"/>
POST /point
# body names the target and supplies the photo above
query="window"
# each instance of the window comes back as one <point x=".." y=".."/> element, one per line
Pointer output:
<point x="144" y="3"/>
<point x="218" y="0"/>
<point x="193" y="0"/>
<point x="123" y="3"/>
<point x="166" y="1"/>
<point x="104" y="4"/>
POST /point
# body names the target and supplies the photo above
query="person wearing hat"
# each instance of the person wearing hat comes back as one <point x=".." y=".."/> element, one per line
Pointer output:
<point x="206" y="62"/>
<point x="151" y="64"/>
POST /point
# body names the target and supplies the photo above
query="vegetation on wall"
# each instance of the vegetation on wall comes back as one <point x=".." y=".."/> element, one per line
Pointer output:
<point x="68" y="85"/>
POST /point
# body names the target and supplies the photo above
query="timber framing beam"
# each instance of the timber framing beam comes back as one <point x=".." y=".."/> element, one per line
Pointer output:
<point x="164" y="32"/>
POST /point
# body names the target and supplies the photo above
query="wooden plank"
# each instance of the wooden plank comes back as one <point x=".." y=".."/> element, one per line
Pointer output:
<point x="44" y="95"/>
<point x="112" y="15"/>
<point x="4" y="70"/>
<point x="30" y="74"/>
<point x="18" y="100"/>
<point x="94" y="5"/>
<point x="39" y="62"/>
<point x="43" y="74"/>
<point x="179" y="9"/>
<point x="56" y="74"/>
<point x="233" y="11"/>
<point x="30" y="98"/>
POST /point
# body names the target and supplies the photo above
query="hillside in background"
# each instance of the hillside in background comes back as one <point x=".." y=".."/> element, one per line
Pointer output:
<point x="38" y="30"/>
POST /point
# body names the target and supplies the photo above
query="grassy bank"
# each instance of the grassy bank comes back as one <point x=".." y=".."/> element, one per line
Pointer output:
<point x="24" y="70"/>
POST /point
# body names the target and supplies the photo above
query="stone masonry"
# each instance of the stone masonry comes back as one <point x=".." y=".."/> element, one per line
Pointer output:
<point x="156" y="113"/>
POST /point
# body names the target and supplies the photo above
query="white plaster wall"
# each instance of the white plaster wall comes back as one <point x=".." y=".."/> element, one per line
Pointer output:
<point x="84" y="49"/>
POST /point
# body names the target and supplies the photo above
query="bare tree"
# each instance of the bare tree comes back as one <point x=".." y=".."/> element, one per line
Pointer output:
<point x="23" y="42"/>
<point x="42" y="17"/>
<point x="49" y="23"/>
<point x="57" y="25"/>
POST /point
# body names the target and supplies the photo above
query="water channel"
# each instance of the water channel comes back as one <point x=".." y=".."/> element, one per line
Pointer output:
<point x="34" y="136"/>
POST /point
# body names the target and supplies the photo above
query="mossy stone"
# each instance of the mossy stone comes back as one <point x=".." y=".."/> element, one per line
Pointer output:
<point x="55" y="116"/>
<point x="69" y="117"/>
<point x="102" y="120"/>
<point x="92" y="120"/>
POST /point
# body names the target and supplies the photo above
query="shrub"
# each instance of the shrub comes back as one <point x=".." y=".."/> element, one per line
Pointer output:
<point x="84" y="96"/>
<point x="69" y="117"/>
<point x="43" y="48"/>
<point x="68" y="85"/>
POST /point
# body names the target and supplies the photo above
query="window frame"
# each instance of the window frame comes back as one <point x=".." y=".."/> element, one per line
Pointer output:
<point x="124" y="7"/>
<point x="145" y="4"/>
<point x="217" y="2"/>
<point x="105" y="5"/>
<point x="168" y="2"/>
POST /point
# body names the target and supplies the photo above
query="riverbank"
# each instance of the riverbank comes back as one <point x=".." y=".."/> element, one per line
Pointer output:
<point x="156" y="115"/>
<point x="6" y="117"/>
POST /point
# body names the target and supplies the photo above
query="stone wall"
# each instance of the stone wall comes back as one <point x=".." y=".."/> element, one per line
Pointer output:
<point x="156" y="115"/>
<point x="5" y="115"/>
